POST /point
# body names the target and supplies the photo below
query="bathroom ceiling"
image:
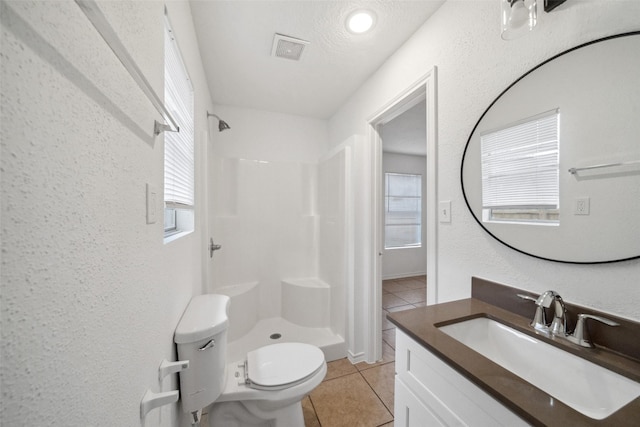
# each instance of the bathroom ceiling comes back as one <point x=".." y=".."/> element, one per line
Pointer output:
<point x="236" y="38"/>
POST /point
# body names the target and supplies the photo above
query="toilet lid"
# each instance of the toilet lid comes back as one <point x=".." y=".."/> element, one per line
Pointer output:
<point x="283" y="363"/>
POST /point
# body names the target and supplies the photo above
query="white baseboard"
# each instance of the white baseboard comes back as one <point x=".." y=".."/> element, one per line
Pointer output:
<point x="403" y="275"/>
<point x="356" y="358"/>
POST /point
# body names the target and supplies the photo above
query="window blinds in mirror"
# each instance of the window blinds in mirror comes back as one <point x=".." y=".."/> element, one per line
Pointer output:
<point x="520" y="164"/>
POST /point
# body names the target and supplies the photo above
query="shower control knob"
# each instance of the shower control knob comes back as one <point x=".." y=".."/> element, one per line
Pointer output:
<point x="213" y="247"/>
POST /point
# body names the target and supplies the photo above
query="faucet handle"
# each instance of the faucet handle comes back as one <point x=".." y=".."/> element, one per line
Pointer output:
<point x="580" y="335"/>
<point x="539" y="321"/>
<point x="599" y="319"/>
<point x="527" y="297"/>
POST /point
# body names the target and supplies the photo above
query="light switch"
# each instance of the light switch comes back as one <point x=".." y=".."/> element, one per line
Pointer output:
<point x="444" y="211"/>
<point x="152" y="203"/>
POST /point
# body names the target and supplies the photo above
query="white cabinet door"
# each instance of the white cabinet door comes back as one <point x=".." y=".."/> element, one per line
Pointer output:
<point x="444" y="393"/>
<point x="410" y="412"/>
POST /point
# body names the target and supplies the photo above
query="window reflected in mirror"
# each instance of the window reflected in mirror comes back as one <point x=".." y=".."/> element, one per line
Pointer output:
<point x="520" y="164"/>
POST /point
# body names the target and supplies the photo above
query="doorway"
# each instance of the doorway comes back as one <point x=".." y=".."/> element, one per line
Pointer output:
<point x="420" y="99"/>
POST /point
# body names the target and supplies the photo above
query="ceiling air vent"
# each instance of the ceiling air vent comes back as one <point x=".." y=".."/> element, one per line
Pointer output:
<point x="287" y="47"/>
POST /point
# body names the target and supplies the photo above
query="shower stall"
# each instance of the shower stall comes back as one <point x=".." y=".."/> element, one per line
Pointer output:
<point x="281" y="222"/>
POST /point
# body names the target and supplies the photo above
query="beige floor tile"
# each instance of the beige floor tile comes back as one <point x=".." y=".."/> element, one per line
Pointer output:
<point x="393" y="287"/>
<point x="405" y="279"/>
<point x="386" y="323"/>
<point x="400" y="308"/>
<point x="381" y="379"/>
<point x="390" y="300"/>
<point x="338" y="368"/>
<point x="348" y="401"/>
<point x="415" y="282"/>
<point x="389" y="336"/>
<point x="309" y="413"/>
<point x="388" y="355"/>
<point x="421" y="278"/>
<point x="413" y="296"/>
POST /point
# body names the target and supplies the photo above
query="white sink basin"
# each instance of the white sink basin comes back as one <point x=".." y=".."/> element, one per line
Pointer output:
<point x="584" y="386"/>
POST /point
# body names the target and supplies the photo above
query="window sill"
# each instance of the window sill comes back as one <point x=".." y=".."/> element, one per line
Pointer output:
<point x="175" y="236"/>
<point x="403" y="247"/>
<point x="524" y="222"/>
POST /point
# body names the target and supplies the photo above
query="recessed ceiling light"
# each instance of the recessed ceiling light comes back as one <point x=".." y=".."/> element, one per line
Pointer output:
<point x="361" y="21"/>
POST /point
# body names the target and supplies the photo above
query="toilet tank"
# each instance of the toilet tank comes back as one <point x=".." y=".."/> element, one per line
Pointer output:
<point x="201" y="337"/>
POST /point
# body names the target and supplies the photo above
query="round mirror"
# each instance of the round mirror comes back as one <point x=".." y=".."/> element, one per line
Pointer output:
<point x="552" y="168"/>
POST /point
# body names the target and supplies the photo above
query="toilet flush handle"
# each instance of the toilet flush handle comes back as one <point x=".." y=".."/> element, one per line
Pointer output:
<point x="208" y="345"/>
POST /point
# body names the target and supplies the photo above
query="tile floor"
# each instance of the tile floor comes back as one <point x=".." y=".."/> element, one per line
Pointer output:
<point x="362" y="394"/>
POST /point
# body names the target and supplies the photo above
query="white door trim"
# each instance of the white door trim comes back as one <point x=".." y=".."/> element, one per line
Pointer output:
<point x="423" y="90"/>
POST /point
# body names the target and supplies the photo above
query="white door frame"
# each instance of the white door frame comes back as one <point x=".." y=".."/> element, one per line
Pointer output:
<point x="424" y="90"/>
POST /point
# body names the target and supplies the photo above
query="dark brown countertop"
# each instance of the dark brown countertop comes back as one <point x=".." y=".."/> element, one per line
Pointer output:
<point x="532" y="404"/>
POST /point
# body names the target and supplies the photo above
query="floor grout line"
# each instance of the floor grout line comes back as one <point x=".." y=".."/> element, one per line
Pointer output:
<point x="376" y="393"/>
<point x="360" y="371"/>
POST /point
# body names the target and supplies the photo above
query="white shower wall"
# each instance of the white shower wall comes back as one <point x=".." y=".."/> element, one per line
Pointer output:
<point x="265" y="222"/>
<point x="333" y="229"/>
<point x="272" y="214"/>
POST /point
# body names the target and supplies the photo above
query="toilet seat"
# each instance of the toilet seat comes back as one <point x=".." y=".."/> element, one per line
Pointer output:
<point x="279" y="366"/>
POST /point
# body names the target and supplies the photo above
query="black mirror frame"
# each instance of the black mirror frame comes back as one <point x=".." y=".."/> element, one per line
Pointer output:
<point x="464" y="194"/>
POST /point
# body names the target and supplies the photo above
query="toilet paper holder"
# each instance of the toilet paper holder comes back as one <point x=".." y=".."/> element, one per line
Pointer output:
<point x="167" y="367"/>
<point x="152" y="400"/>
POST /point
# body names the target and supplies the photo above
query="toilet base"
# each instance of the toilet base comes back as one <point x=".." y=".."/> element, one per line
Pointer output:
<point x="248" y="414"/>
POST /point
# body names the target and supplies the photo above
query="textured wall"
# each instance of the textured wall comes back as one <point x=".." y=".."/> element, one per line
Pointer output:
<point x="90" y="294"/>
<point x="474" y="65"/>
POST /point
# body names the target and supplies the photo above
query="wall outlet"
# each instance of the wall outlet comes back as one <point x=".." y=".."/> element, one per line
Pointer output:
<point x="581" y="206"/>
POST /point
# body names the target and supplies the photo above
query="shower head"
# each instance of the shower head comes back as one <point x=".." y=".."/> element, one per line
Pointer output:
<point x="222" y="125"/>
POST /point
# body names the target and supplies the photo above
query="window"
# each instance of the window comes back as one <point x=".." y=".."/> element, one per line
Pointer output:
<point x="403" y="211"/>
<point x="520" y="166"/>
<point x="178" y="146"/>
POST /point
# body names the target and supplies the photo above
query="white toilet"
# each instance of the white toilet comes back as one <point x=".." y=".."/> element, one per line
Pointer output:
<point x="265" y="389"/>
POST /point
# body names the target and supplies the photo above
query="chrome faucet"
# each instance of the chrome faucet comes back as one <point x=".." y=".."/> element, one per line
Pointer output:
<point x="558" y="325"/>
<point x="559" y="322"/>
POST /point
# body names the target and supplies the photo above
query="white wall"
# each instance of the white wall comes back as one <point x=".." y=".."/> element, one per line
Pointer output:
<point x="263" y="176"/>
<point x="406" y="262"/>
<point x="90" y="294"/>
<point x="474" y="65"/>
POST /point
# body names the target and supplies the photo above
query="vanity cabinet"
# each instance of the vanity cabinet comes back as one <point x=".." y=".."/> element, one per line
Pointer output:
<point x="428" y="392"/>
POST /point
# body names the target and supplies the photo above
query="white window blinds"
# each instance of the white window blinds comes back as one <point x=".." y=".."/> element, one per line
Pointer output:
<point x="178" y="146"/>
<point x="520" y="164"/>
<point x="403" y="210"/>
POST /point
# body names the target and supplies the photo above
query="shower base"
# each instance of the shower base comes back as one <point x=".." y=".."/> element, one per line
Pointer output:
<point x="332" y="345"/>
